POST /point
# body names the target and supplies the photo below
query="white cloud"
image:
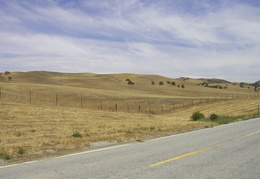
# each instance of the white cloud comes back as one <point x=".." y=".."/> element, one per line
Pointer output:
<point x="131" y="36"/>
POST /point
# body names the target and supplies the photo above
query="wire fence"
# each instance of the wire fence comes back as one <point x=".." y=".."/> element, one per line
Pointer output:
<point x="129" y="105"/>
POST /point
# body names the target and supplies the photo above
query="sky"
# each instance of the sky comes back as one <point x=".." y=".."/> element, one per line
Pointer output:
<point x="172" y="38"/>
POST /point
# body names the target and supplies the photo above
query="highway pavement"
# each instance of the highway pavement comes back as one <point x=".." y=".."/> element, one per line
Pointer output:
<point x="227" y="151"/>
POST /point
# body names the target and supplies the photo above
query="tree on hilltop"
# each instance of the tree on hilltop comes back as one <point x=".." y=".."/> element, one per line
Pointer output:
<point x="7" y="73"/>
<point x="129" y="82"/>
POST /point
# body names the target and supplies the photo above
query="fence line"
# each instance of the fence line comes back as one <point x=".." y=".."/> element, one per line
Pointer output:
<point x="151" y="106"/>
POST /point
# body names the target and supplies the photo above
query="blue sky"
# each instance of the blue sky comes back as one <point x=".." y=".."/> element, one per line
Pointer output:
<point x="173" y="38"/>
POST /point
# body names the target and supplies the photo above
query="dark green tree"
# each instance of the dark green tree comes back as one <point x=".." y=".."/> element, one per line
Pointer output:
<point x="161" y="83"/>
<point x="197" y="116"/>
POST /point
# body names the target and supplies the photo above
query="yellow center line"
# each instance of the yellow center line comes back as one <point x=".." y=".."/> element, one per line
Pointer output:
<point x="253" y="133"/>
<point x="175" y="158"/>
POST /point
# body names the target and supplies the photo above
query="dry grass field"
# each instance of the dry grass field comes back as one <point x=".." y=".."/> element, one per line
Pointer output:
<point x="48" y="113"/>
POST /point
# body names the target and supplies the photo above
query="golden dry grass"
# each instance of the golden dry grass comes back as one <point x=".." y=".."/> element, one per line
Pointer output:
<point x="39" y="125"/>
<point x="41" y="128"/>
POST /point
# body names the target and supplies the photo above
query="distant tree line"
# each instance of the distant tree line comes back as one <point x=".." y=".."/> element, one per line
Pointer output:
<point x="209" y="83"/>
<point x="168" y="82"/>
<point x="206" y="84"/>
<point x="255" y="85"/>
<point x="241" y="85"/>
<point x="161" y="83"/>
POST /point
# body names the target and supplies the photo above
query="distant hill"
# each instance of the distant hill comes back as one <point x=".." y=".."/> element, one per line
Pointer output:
<point x="90" y="79"/>
<point x="215" y="80"/>
<point x="83" y="79"/>
<point x="258" y="81"/>
<point x="117" y="86"/>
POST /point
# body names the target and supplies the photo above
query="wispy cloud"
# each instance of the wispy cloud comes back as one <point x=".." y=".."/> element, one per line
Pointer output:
<point x="172" y="38"/>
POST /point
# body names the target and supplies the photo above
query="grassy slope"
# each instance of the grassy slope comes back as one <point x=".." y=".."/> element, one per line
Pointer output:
<point x="117" y="83"/>
<point x="42" y="127"/>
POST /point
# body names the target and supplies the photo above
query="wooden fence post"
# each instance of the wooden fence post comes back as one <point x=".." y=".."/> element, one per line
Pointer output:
<point x="101" y="105"/>
<point x="116" y="107"/>
<point x="0" y="93"/>
<point x="30" y="96"/>
<point x="56" y="100"/>
<point x="81" y="102"/>
<point x="139" y="109"/>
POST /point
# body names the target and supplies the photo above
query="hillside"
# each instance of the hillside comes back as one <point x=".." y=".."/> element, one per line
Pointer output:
<point x="147" y="93"/>
<point x="42" y="111"/>
<point x="142" y="83"/>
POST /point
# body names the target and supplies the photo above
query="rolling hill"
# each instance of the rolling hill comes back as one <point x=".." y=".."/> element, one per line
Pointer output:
<point x="117" y="82"/>
<point x="41" y="111"/>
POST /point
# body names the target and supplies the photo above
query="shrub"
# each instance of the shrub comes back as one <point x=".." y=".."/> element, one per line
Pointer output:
<point x="197" y="116"/>
<point x="228" y="119"/>
<point x="5" y="156"/>
<point x="17" y="134"/>
<point x="213" y="117"/>
<point x="21" y="150"/>
<point x="161" y="83"/>
<point x="130" y="83"/>
<point x="173" y="83"/>
<point x="77" y="135"/>
<point x="205" y="84"/>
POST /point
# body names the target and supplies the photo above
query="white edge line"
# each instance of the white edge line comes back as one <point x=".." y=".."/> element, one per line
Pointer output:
<point x="74" y="154"/>
<point x="210" y="128"/>
<point x="91" y="151"/>
<point x="123" y="145"/>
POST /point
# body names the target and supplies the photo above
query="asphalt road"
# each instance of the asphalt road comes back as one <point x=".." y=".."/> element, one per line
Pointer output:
<point x="228" y="151"/>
